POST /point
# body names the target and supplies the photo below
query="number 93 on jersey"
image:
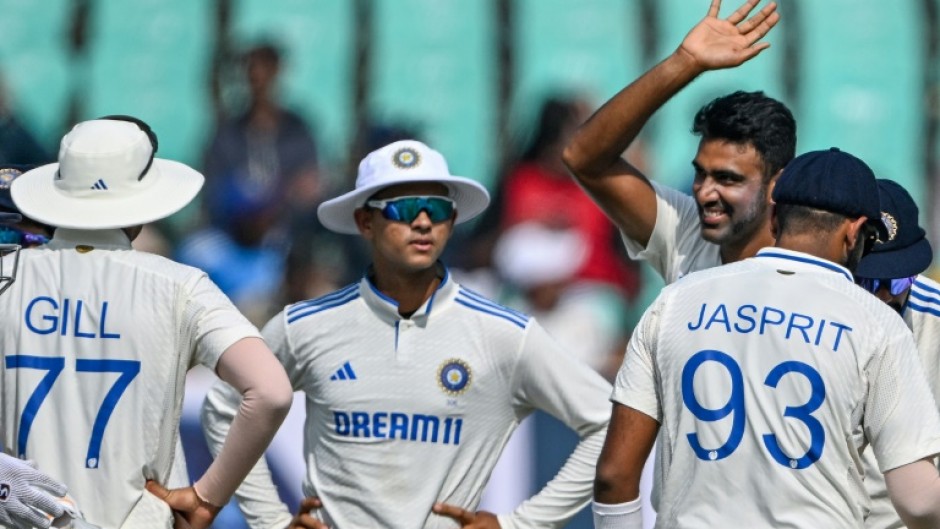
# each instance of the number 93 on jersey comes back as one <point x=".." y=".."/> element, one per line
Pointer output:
<point x="734" y="411"/>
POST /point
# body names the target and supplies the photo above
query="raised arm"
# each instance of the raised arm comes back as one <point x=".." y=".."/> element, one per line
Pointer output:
<point x="594" y="154"/>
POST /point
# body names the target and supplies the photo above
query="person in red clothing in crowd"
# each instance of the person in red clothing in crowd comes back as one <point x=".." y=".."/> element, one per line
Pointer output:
<point x="540" y="189"/>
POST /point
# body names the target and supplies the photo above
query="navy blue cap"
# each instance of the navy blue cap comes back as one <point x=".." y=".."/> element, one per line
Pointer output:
<point x="834" y="181"/>
<point x="905" y="252"/>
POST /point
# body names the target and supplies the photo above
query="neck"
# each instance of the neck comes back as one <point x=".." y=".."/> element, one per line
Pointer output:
<point x="823" y="247"/>
<point x="410" y="289"/>
<point x="731" y="253"/>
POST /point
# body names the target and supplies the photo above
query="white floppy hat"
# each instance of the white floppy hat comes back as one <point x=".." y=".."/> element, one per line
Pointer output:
<point x="106" y="177"/>
<point x="402" y="162"/>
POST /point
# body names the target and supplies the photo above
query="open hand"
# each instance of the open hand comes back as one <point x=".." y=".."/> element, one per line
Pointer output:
<point x="467" y="519"/>
<point x="715" y="43"/>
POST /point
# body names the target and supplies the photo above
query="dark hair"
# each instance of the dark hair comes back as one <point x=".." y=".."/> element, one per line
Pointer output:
<point x="792" y="218"/>
<point x="751" y="117"/>
<point x="264" y="52"/>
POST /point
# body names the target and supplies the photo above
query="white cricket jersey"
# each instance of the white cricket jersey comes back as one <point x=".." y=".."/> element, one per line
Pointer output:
<point x="768" y="376"/>
<point x="676" y="246"/>
<point x="406" y="412"/>
<point x="922" y="316"/>
<point x="97" y="338"/>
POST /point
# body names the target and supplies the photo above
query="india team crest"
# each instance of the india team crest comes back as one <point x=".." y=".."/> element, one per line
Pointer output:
<point x="891" y="223"/>
<point x="406" y="158"/>
<point x="454" y="376"/>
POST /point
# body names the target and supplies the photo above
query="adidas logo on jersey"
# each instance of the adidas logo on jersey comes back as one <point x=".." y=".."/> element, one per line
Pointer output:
<point x="100" y="185"/>
<point x="344" y="373"/>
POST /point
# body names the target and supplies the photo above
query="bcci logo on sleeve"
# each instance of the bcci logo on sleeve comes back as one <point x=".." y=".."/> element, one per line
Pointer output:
<point x="454" y="376"/>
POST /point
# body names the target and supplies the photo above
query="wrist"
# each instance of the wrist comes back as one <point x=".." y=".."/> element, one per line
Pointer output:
<point x="686" y="63"/>
<point x="206" y="504"/>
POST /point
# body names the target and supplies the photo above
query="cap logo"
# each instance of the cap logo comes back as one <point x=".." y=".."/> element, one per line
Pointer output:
<point x="7" y="176"/>
<point x="891" y="224"/>
<point x="406" y="158"/>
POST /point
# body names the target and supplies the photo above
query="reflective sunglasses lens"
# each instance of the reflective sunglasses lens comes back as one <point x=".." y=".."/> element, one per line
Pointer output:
<point x="408" y="209"/>
<point x="900" y="285"/>
<point x="870" y="285"/>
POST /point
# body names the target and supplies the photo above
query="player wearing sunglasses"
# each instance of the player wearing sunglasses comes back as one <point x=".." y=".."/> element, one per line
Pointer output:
<point x="893" y="272"/>
<point x="413" y="382"/>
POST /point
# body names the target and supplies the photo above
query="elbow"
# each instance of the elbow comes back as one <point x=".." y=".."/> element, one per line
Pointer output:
<point x="574" y="161"/>
<point x="613" y="484"/>
<point x="277" y="396"/>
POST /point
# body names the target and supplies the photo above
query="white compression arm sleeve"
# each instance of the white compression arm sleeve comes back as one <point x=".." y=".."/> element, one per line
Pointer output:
<point x="915" y="493"/>
<point x="250" y="368"/>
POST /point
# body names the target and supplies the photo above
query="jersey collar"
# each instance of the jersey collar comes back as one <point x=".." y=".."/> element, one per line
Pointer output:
<point x="793" y="260"/>
<point x="69" y="239"/>
<point x="387" y="308"/>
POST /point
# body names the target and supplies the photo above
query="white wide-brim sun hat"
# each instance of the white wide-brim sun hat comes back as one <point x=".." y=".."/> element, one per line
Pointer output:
<point x="402" y="162"/>
<point x="102" y="181"/>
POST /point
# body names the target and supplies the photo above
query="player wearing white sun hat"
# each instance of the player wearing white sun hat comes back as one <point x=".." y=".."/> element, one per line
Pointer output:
<point x="414" y="383"/>
<point x="99" y="337"/>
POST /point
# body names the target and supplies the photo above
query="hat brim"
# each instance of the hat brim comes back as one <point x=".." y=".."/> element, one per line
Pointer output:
<point x="903" y="262"/>
<point x="171" y="186"/>
<point x="336" y="214"/>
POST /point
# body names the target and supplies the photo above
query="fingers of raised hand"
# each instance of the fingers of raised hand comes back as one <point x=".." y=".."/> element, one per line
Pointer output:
<point x="741" y="12"/>
<point x="758" y="25"/>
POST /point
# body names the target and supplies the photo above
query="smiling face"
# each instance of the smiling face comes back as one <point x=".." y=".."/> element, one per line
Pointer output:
<point x="732" y="194"/>
<point x="401" y="247"/>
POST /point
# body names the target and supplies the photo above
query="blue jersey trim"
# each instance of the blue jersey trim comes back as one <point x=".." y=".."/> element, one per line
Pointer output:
<point x="320" y="308"/>
<point x="921" y="308"/>
<point x="488" y="302"/>
<point x="926" y="287"/>
<point x="492" y="311"/>
<point x="924" y="297"/>
<point x="300" y="305"/>
<point x="817" y="262"/>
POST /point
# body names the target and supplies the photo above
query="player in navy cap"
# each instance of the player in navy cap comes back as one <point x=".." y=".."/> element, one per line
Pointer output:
<point x="766" y="377"/>
<point x="894" y="272"/>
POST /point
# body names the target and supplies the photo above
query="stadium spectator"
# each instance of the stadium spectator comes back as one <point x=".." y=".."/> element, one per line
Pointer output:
<point x="413" y="382"/>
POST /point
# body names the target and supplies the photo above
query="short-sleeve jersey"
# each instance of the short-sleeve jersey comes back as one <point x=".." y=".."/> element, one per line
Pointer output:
<point x="97" y="338"/>
<point x="676" y="246"/>
<point x="768" y="377"/>
<point x="405" y="412"/>
<point x="922" y="316"/>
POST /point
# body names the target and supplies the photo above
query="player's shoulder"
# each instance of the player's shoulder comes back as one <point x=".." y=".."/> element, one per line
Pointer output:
<point x="925" y="297"/>
<point x="317" y="309"/>
<point x="490" y="311"/>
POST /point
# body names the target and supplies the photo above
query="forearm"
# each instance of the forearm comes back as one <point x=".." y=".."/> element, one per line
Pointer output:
<point x="600" y="142"/>
<point x="257" y="496"/>
<point x="915" y="493"/>
<point x="566" y="494"/>
<point x="252" y="370"/>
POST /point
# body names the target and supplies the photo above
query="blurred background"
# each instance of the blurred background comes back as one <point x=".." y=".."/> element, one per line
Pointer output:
<point x="277" y="100"/>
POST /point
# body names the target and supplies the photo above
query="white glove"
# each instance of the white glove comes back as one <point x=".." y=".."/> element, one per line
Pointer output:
<point x="28" y="498"/>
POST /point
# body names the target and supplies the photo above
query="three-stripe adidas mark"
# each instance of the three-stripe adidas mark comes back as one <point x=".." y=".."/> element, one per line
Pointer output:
<point x="344" y="373"/>
<point x="99" y="185"/>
